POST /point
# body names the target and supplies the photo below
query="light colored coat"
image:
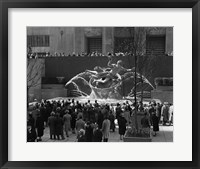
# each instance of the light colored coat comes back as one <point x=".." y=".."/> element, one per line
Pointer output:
<point x="67" y="122"/>
<point x="106" y="128"/>
<point x="127" y="116"/>
<point x="171" y="108"/>
<point x="80" y="124"/>
<point x="165" y="113"/>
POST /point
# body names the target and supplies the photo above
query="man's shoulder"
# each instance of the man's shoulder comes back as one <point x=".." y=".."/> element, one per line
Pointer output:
<point x="80" y="121"/>
<point x="107" y="121"/>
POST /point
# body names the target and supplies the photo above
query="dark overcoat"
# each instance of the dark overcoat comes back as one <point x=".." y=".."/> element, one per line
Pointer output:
<point x="51" y="124"/>
<point x="40" y="126"/>
<point x="122" y="125"/>
<point x="58" y="126"/>
<point x="155" y="121"/>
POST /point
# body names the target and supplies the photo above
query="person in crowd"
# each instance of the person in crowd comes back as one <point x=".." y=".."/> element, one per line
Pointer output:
<point x="36" y="111"/>
<point x="118" y="111"/>
<point x="78" y="105"/>
<point x="67" y="122"/>
<point x="59" y="127"/>
<point x="105" y="111"/>
<point x="61" y="114"/>
<point x="49" y="108"/>
<point x="79" y="113"/>
<point x="97" y="135"/>
<point x="112" y="121"/>
<point x="96" y="104"/>
<point x="31" y="134"/>
<point x="90" y="111"/>
<point x="81" y="136"/>
<point x="51" y="124"/>
<point x="31" y="120"/>
<point x="165" y="113"/>
<point x="151" y="111"/>
<point x="100" y="119"/>
<point x="96" y="111"/>
<point x="158" y="111"/>
<point x="145" y="121"/>
<point x="127" y="115"/>
<point x="59" y="110"/>
<point x="155" y="122"/>
<point x="39" y="127"/>
<point x="140" y="107"/>
<point x="171" y="114"/>
<point x="73" y="120"/>
<point x="106" y="129"/>
<point x="89" y="131"/>
<point x="122" y="126"/>
<point x="43" y="113"/>
<point x="80" y="124"/>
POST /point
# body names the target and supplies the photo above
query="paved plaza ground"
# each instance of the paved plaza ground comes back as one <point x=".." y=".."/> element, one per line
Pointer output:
<point x="164" y="135"/>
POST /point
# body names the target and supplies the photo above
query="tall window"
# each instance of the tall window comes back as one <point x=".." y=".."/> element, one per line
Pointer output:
<point x="38" y="40"/>
<point x="94" y="45"/>
<point x="155" y="45"/>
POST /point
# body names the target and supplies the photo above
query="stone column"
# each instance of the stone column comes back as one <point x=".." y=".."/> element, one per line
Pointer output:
<point x="169" y="40"/>
<point x="107" y="40"/>
<point x="79" y="40"/>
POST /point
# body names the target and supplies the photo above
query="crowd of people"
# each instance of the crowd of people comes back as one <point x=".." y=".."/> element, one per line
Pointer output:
<point x="35" y="55"/>
<point x="92" y="122"/>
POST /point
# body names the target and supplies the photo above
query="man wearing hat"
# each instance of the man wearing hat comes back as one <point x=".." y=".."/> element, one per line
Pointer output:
<point x="39" y="127"/>
<point x="51" y="124"/>
<point x="80" y="124"/>
<point x="106" y="129"/>
<point x="67" y="122"/>
<point x="165" y="113"/>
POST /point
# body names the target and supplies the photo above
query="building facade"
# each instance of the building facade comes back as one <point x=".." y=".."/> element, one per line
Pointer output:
<point x="76" y="40"/>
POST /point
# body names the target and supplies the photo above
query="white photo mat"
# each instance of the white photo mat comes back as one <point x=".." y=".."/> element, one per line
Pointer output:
<point x="178" y="150"/>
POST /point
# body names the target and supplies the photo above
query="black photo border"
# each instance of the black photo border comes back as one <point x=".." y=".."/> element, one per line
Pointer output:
<point x="6" y="4"/>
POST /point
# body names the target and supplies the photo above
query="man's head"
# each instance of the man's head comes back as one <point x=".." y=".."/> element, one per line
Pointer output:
<point x="52" y="114"/>
<point x="82" y="132"/>
<point x="30" y="114"/>
<point x="80" y="117"/>
<point x="66" y="111"/>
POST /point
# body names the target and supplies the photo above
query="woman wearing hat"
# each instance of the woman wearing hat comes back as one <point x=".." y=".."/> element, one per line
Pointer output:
<point x="122" y="126"/>
<point x="39" y="127"/>
<point x="165" y="113"/>
<point x="106" y="129"/>
<point x="155" y="122"/>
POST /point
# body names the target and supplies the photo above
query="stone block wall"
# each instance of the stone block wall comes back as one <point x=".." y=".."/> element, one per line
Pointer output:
<point x="45" y="94"/>
<point x="163" y="96"/>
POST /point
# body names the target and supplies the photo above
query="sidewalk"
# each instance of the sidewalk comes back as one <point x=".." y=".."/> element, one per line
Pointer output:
<point x="164" y="135"/>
